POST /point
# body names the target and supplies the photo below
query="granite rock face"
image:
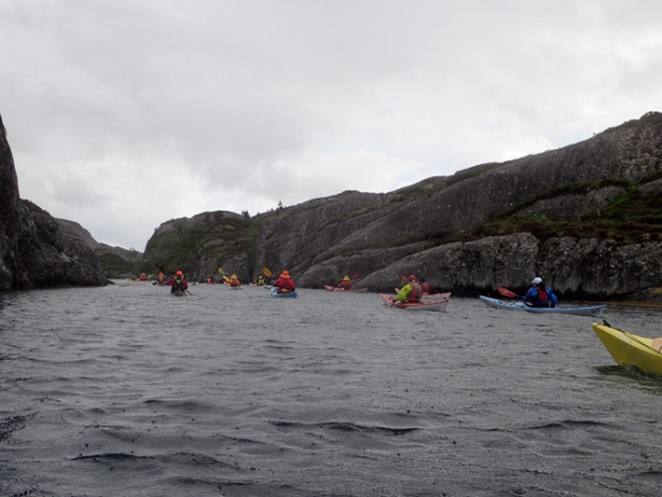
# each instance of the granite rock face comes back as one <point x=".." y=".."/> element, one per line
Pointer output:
<point x="34" y="250"/>
<point x="202" y="244"/>
<point x="382" y="236"/>
<point x="116" y="262"/>
<point x="574" y="267"/>
<point x="586" y="217"/>
<point x="8" y="210"/>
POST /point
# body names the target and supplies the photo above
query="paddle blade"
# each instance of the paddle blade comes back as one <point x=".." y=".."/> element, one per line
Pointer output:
<point x="267" y="272"/>
<point x="507" y="293"/>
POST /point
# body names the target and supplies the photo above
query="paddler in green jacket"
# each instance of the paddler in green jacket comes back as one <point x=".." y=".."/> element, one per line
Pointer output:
<point x="410" y="292"/>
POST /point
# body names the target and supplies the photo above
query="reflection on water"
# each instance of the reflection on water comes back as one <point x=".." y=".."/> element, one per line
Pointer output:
<point x="128" y="391"/>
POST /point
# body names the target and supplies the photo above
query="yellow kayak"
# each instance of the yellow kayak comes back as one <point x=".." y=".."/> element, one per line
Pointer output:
<point x="629" y="349"/>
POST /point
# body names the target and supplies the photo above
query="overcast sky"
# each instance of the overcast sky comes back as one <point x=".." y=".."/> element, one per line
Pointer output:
<point x="124" y="114"/>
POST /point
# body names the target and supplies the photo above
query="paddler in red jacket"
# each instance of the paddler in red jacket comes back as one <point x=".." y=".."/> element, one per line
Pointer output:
<point x="180" y="285"/>
<point x="285" y="283"/>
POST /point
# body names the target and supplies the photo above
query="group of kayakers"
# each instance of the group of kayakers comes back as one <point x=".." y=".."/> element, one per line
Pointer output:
<point x="179" y="284"/>
<point x="413" y="288"/>
<point x="538" y="295"/>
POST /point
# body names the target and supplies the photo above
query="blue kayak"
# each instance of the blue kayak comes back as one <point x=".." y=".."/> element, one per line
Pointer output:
<point x="518" y="305"/>
<point x="286" y="295"/>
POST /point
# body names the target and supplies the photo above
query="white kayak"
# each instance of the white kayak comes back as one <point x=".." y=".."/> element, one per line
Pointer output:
<point x="518" y="305"/>
<point x="435" y="302"/>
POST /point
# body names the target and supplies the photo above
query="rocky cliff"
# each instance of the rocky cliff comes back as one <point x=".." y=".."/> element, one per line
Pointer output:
<point x="116" y="262"/>
<point x="203" y="243"/>
<point x="587" y="217"/>
<point x="34" y="250"/>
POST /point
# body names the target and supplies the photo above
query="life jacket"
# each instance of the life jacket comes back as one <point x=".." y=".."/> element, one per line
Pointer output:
<point x="285" y="283"/>
<point x="543" y="297"/>
<point x="179" y="285"/>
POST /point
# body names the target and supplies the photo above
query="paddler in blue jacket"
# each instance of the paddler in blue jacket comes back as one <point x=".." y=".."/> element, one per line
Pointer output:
<point x="539" y="295"/>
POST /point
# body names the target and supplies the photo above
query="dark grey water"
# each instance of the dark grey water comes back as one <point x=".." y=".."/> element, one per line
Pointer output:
<point x="126" y="391"/>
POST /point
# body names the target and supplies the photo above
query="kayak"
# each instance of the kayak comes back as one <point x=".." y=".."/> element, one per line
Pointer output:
<point x="436" y="302"/>
<point x="330" y="288"/>
<point x="518" y="305"/>
<point x="629" y="349"/>
<point x="287" y="295"/>
<point x="178" y="294"/>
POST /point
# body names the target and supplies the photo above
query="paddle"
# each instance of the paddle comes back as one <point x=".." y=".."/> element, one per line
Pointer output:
<point x="507" y="293"/>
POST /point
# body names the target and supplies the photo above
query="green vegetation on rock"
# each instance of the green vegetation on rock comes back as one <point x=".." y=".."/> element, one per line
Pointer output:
<point x="631" y="217"/>
<point x="202" y="244"/>
<point x="114" y="266"/>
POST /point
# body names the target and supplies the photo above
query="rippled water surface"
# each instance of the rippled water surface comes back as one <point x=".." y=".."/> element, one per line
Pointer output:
<point x="127" y="391"/>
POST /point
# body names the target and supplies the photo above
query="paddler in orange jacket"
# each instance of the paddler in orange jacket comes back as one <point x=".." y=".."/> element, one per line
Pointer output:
<point x="285" y="283"/>
<point x="234" y="281"/>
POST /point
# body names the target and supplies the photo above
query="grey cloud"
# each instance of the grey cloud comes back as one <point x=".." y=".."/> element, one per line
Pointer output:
<point x="263" y="101"/>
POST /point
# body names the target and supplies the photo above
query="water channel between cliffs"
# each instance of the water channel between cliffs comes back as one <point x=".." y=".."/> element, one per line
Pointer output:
<point x="126" y="391"/>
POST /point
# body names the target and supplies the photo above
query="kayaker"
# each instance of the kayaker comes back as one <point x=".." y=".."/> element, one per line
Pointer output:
<point x="345" y="283"/>
<point x="260" y="280"/>
<point x="179" y="285"/>
<point x="410" y="292"/>
<point x="539" y="295"/>
<point x="285" y="283"/>
<point x="234" y="281"/>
